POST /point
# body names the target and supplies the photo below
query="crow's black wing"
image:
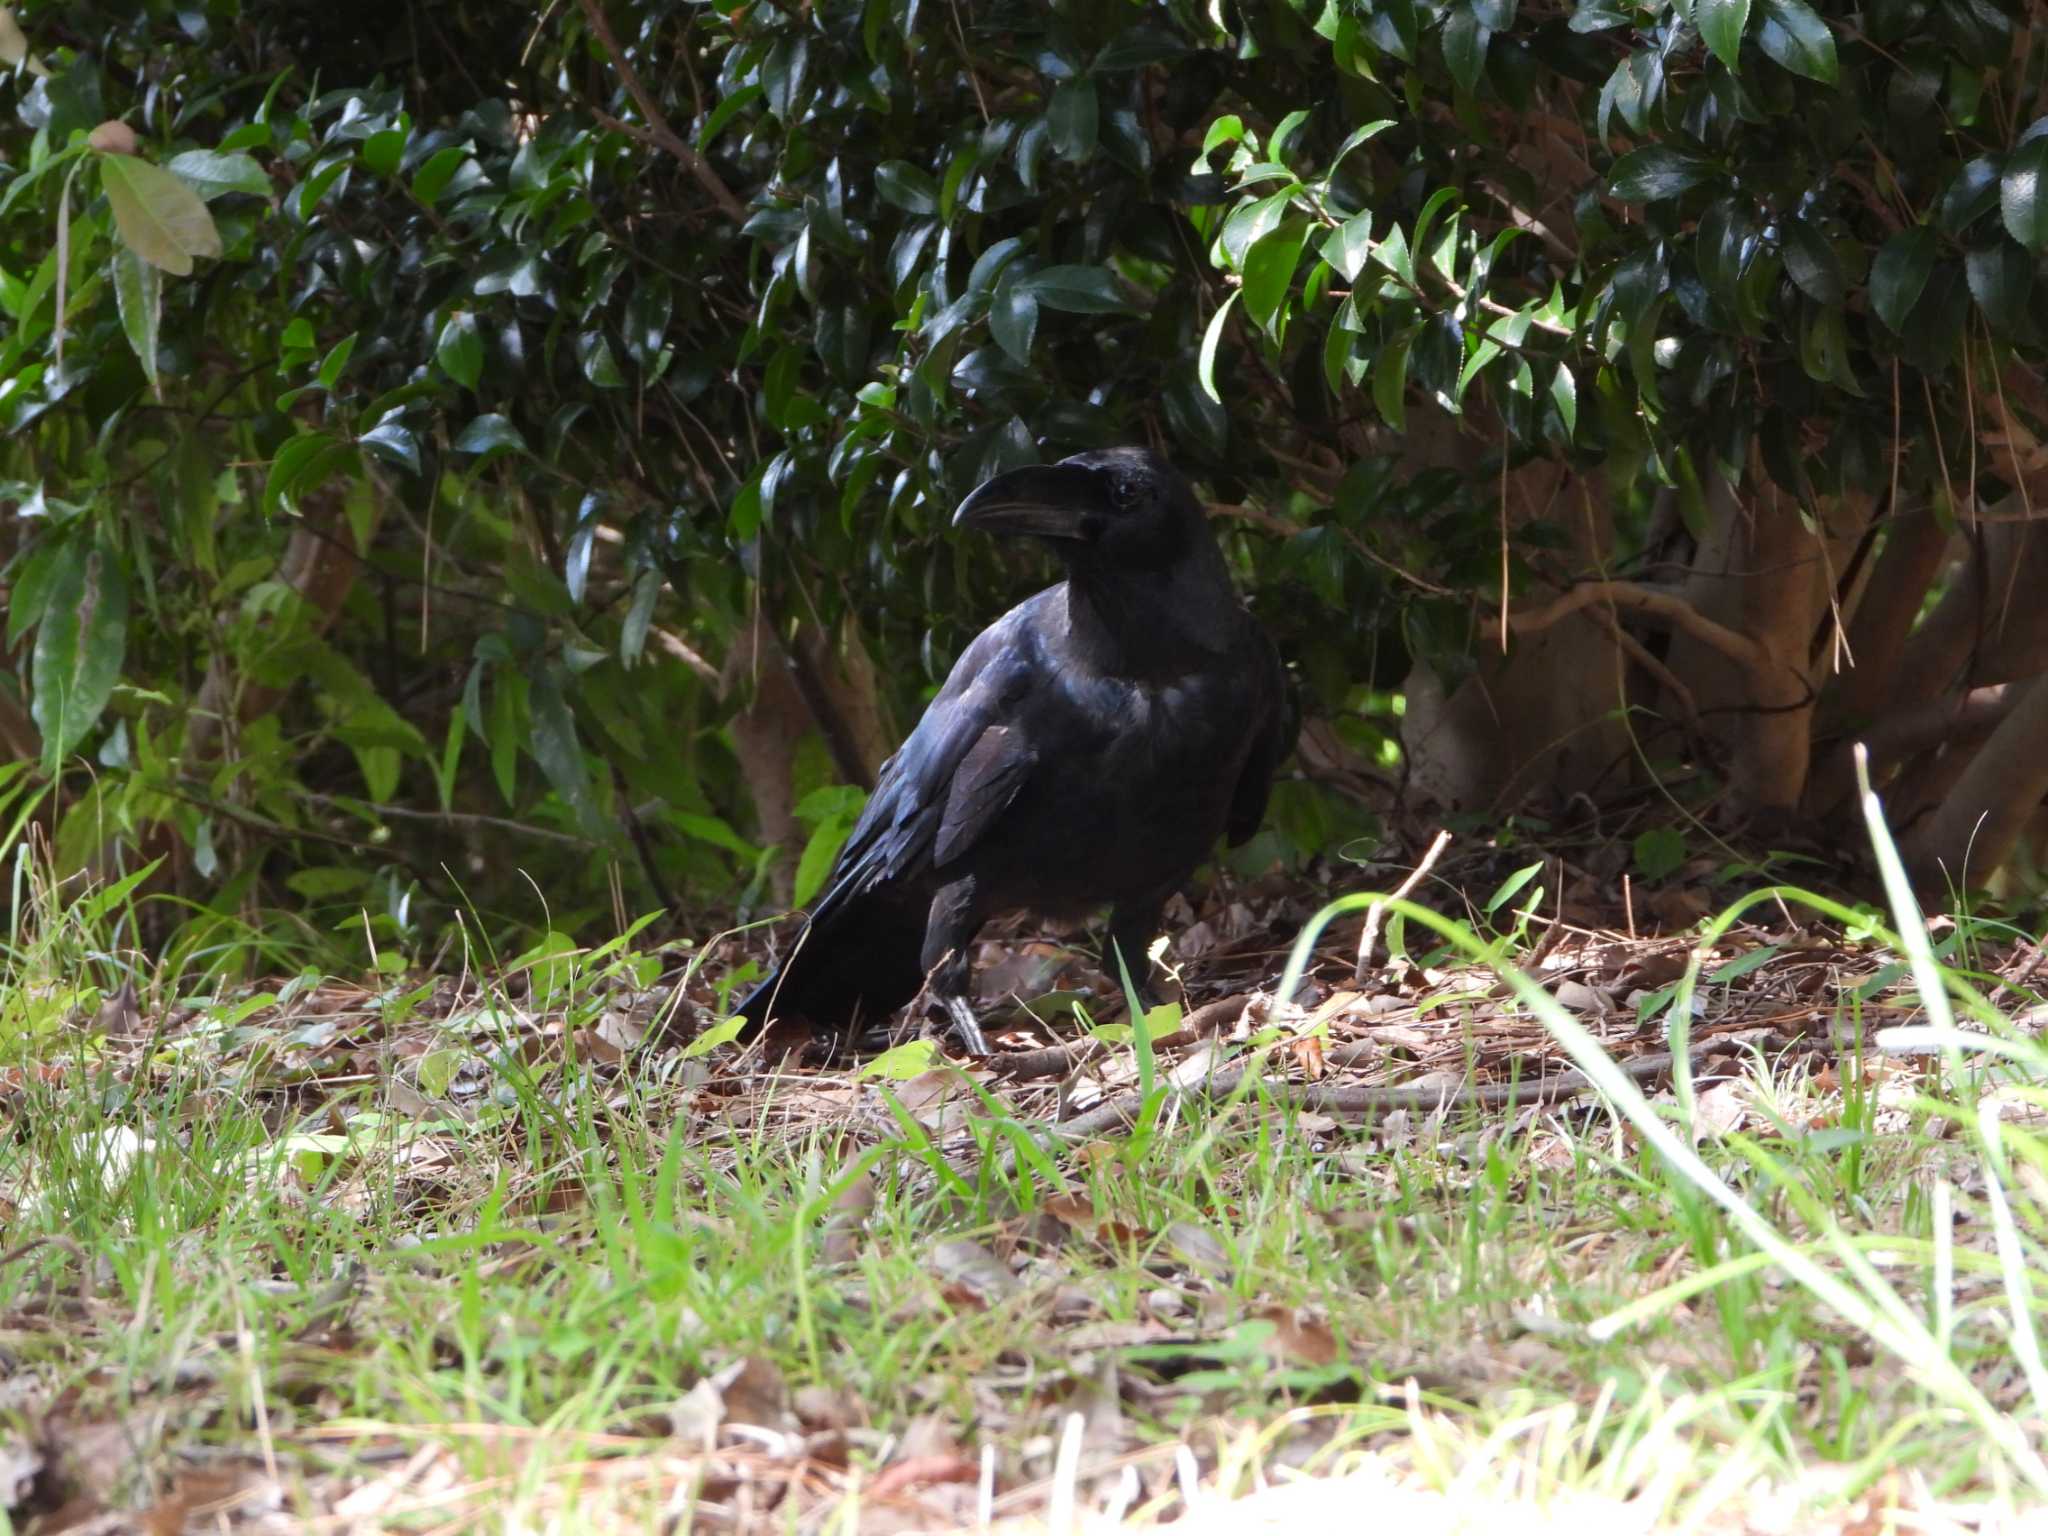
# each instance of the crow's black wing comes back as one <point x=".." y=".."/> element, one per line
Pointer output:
<point x="957" y="773"/>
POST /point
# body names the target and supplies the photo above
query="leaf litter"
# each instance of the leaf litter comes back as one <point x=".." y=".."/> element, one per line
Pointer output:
<point x="403" y="1096"/>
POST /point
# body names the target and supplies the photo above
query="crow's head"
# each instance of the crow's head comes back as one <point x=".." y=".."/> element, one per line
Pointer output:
<point x="1115" y="507"/>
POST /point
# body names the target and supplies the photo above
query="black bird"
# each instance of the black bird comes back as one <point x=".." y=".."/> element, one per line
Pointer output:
<point x="1088" y="748"/>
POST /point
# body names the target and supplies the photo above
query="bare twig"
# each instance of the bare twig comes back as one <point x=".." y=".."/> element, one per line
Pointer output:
<point x="1383" y="1101"/>
<point x="1369" y="937"/>
<point x="657" y="121"/>
<point x="1667" y="608"/>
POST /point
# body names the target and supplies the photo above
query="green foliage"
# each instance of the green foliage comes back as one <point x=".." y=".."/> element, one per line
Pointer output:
<point x="580" y="391"/>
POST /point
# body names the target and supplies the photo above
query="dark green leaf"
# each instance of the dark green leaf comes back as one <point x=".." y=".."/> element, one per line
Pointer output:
<point x="488" y="433"/>
<point x="1390" y="381"/>
<point x="1811" y="262"/>
<point x="560" y="754"/>
<point x="79" y="646"/>
<point x="394" y="444"/>
<point x="1013" y="318"/>
<point x="460" y="351"/>
<point x="1071" y="117"/>
<point x="1660" y="852"/>
<point x="639" y="616"/>
<point x="212" y="174"/>
<point x="33" y="580"/>
<point x="1657" y="171"/>
<point x="1721" y="23"/>
<point x="1465" y="40"/>
<point x="1794" y="35"/>
<point x="594" y="353"/>
<point x="2001" y="278"/>
<point x="1137" y="46"/>
<point x="1078" y="290"/>
<point x="2023" y="194"/>
<point x="727" y="109"/>
<point x="1934" y="330"/>
<point x="304" y="463"/>
<point x="905" y="186"/>
<point x="1899" y="273"/>
<point x="1972" y="193"/>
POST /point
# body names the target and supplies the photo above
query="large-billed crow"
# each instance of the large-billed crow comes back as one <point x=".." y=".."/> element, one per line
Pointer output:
<point x="1088" y="748"/>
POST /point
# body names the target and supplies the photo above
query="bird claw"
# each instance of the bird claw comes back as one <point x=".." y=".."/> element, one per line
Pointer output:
<point x="965" y="1027"/>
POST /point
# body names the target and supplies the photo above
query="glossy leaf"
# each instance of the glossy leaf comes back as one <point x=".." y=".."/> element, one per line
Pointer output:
<point x="1269" y="272"/>
<point x="2023" y="194"/>
<point x="1811" y="262"/>
<point x="1656" y="172"/>
<point x="2001" y="279"/>
<point x="1078" y="290"/>
<point x="394" y="444"/>
<point x="1794" y="34"/>
<point x="1013" y="318"/>
<point x="1212" y="338"/>
<point x="1072" y="119"/>
<point x="1349" y="246"/>
<point x="1721" y="24"/>
<point x="212" y="174"/>
<point x="460" y="351"/>
<point x="1390" y="382"/>
<point x="489" y="433"/>
<point x="1464" y="41"/>
<point x="905" y="186"/>
<point x="1899" y="273"/>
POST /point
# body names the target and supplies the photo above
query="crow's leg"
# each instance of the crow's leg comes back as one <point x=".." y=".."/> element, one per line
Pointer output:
<point x="1133" y="925"/>
<point x="956" y="917"/>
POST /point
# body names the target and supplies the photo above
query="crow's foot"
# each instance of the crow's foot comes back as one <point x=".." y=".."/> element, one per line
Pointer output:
<point x="965" y="1027"/>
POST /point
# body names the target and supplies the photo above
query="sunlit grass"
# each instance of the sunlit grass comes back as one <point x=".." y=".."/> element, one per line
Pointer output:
<point x="530" y="1287"/>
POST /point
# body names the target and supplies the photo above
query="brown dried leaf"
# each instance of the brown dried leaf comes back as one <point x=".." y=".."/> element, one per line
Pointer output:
<point x="1298" y="1338"/>
<point x="969" y="1270"/>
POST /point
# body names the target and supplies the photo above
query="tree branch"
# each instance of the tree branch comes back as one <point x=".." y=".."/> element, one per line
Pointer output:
<point x="658" y="129"/>
<point x="1666" y="608"/>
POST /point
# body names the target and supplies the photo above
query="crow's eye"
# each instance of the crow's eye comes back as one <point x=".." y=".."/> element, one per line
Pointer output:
<point x="1123" y="493"/>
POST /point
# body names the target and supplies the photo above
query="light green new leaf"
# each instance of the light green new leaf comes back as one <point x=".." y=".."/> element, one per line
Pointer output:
<point x="1211" y="338"/>
<point x="162" y="220"/>
<point x="1269" y="272"/>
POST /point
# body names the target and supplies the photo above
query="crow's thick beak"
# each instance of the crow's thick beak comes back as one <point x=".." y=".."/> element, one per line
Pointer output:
<point x="1048" y="501"/>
